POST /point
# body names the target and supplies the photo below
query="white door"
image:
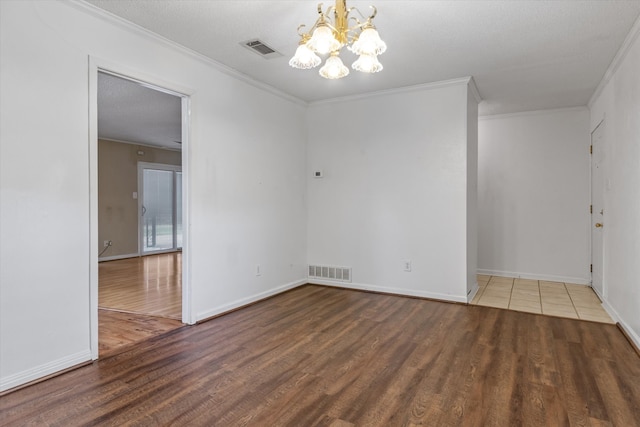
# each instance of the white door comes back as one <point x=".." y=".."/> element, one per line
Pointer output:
<point x="597" y="208"/>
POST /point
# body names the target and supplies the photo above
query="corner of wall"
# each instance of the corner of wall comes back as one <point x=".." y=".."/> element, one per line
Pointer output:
<point x="474" y="90"/>
<point x="37" y="372"/>
<point x="616" y="61"/>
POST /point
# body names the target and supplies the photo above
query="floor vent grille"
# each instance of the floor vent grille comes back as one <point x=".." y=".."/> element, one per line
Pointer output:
<point x="339" y="274"/>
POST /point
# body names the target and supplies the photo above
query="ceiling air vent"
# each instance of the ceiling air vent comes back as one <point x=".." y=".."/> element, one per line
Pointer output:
<point x="261" y="49"/>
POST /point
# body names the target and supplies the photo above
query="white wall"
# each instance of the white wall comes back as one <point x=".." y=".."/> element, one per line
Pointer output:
<point x="394" y="188"/>
<point x="533" y="183"/>
<point x="246" y="162"/>
<point x="618" y="103"/>
<point x="399" y="184"/>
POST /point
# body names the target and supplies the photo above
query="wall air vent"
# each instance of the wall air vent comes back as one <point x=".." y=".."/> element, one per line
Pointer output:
<point x="338" y="274"/>
<point x="261" y="49"/>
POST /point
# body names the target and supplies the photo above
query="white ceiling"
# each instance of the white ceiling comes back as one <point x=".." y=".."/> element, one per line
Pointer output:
<point x="132" y="112"/>
<point x="523" y="55"/>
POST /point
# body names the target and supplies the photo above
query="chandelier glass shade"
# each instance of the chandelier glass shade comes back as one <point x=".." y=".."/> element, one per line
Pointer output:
<point x="367" y="64"/>
<point x="330" y="33"/>
<point x="305" y="58"/>
<point x="334" y="68"/>
<point x="322" y="40"/>
<point x="369" y="43"/>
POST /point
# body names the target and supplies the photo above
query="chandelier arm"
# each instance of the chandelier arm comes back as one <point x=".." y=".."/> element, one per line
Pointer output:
<point x="358" y="25"/>
<point x="357" y="10"/>
<point x="321" y="19"/>
<point x="328" y="11"/>
<point x="357" y="21"/>
<point x="350" y="31"/>
<point x="327" y="23"/>
<point x="324" y="16"/>
<point x="368" y="19"/>
<point x="375" y="12"/>
<point x="353" y="31"/>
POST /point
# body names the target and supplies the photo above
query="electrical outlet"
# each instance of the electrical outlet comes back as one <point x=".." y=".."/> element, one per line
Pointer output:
<point x="258" y="271"/>
<point x="107" y="243"/>
<point x="407" y="264"/>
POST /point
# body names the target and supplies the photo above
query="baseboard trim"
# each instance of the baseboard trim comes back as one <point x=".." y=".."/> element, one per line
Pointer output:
<point x="42" y="372"/>
<point x="116" y="257"/>
<point x="390" y="291"/>
<point x="635" y="343"/>
<point x="473" y="292"/>
<point x="626" y="330"/>
<point x="244" y="302"/>
<point x="533" y="276"/>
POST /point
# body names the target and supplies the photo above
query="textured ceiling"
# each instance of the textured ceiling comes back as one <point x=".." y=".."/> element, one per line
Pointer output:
<point x="131" y="112"/>
<point x="523" y="55"/>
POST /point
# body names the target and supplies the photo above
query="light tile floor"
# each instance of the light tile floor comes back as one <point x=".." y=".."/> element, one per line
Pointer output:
<point x="533" y="296"/>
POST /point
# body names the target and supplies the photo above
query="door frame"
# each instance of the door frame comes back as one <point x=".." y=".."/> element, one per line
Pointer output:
<point x="96" y="65"/>
<point x="155" y="166"/>
<point x="593" y="217"/>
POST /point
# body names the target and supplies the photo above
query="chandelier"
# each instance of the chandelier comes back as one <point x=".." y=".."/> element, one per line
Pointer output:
<point x="331" y="33"/>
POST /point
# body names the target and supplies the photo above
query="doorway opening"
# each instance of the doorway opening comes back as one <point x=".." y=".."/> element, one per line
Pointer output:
<point x="160" y="204"/>
<point x="139" y="133"/>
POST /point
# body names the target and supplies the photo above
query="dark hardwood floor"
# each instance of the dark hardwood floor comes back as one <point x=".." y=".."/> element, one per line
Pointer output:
<point x="118" y="330"/>
<point x="319" y="356"/>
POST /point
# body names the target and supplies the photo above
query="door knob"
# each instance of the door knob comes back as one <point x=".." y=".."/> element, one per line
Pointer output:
<point x="598" y="225"/>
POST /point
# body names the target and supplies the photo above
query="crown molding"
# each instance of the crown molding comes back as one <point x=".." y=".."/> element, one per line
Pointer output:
<point x="474" y="90"/>
<point x="128" y="26"/>
<point x="123" y="24"/>
<point x="617" y="60"/>
<point x="404" y="89"/>
<point x="534" y="113"/>
<point x="141" y="144"/>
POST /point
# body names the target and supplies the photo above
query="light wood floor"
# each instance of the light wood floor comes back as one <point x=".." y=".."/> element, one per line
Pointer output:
<point x="145" y="285"/>
<point x="318" y="356"/>
<point x="138" y="298"/>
